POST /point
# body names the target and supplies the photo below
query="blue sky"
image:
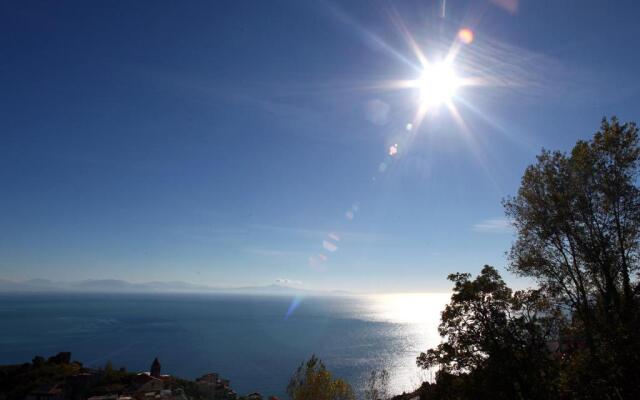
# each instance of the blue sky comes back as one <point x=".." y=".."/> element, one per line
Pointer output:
<point x="242" y="143"/>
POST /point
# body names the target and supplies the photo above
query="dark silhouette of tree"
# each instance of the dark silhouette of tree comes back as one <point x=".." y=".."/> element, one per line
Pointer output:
<point x="577" y="218"/>
<point x="496" y="342"/>
<point x="377" y="385"/>
<point x="312" y="381"/>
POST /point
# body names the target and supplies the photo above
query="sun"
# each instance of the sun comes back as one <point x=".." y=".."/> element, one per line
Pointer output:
<point x="437" y="84"/>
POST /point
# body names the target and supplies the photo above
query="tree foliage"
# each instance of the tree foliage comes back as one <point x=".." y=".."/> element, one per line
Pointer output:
<point x="495" y="341"/>
<point x="577" y="218"/>
<point x="312" y="381"/>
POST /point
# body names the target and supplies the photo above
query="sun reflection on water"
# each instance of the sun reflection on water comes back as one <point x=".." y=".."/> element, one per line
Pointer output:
<point x="413" y="318"/>
<point x="412" y="308"/>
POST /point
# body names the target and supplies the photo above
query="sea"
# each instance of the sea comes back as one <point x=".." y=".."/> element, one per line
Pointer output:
<point x="255" y="341"/>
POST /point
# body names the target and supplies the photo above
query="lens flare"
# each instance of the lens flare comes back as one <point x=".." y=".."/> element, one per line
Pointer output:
<point x="465" y="35"/>
<point x="329" y="246"/>
<point x="295" y="302"/>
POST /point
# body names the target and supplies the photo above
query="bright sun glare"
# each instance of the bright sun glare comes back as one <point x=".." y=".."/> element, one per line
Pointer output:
<point x="438" y="84"/>
<point x="412" y="308"/>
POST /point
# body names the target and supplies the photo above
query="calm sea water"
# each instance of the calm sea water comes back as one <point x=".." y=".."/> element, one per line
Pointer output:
<point x="247" y="339"/>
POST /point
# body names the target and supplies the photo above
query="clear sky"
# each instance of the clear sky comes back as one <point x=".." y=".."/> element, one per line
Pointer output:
<point x="246" y="142"/>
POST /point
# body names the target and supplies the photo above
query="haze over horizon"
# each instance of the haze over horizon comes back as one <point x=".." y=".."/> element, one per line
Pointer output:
<point x="239" y="144"/>
<point x="41" y="285"/>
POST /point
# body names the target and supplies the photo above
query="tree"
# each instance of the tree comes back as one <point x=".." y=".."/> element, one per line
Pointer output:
<point x="577" y="218"/>
<point x="495" y="341"/>
<point x="312" y="381"/>
<point x="377" y="385"/>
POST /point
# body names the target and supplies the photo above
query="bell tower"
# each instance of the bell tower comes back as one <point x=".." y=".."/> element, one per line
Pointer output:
<point x="155" y="368"/>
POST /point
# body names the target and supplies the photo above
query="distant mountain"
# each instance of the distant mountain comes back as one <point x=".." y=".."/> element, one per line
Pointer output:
<point x="272" y="289"/>
<point x="39" y="282"/>
<point x="106" y="285"/>
<point x="121" y="286"/>
<point x="31" y="285"/>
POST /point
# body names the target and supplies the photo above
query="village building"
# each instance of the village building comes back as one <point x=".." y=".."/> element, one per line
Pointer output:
<point x="144" y="382"/>
<point x="212" y="387"/>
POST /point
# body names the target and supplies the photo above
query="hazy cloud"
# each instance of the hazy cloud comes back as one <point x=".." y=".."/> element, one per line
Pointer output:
<point x="273" y="252"/>
<point x="507" y="5"/>
<point x="285" y="281"/>
<point x="377" y="111"/>
<point x="317" y="233"/>
<point x="496" y="225"/>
